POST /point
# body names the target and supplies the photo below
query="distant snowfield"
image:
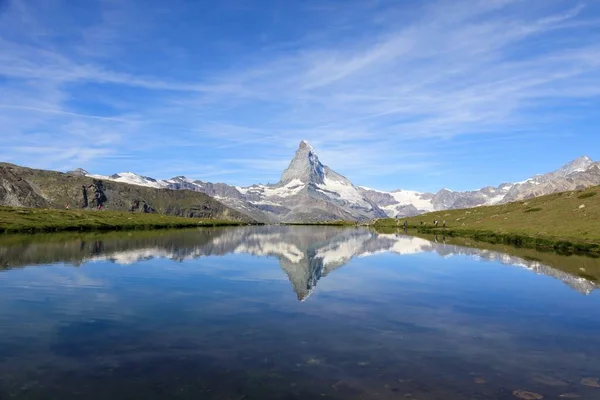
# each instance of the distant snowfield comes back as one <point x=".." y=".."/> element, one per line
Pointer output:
<point x="133" y="179"/>
<point x="411" y="197"/>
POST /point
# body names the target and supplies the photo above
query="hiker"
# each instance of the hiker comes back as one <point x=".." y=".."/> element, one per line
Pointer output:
<point x="84" y="192"/>
<point x="435" y="223"/>
<point x="66" y="206"/>
<point x="444" y="224"/>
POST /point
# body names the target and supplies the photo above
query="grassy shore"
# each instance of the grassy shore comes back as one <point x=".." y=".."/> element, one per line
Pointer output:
<point x="35" y="220"/>
<point x="568" y="222"/>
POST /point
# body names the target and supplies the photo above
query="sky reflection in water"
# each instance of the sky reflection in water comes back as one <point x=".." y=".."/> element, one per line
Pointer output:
<point x="215" y="314"/>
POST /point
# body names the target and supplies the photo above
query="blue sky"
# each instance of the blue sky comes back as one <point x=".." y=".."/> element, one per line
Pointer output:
<point x="392" y="94"/>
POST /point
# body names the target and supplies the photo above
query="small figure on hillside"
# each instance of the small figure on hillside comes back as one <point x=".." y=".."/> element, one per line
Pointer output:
<point x="435" y="223"/>
<point x="444" y="224"/>
<point x="405" y="225"/>
<point x="66" y="206"/>
<point x="84" y="192"/>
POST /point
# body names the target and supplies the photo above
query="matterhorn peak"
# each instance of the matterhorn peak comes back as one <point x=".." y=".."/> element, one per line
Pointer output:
<point x="305" y="166"/>
<point x="305" y="144"/>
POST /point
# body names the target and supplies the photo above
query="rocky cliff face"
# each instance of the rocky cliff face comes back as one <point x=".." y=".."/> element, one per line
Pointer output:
<point x="17" y="192"/>
<point x="27" y="187"/>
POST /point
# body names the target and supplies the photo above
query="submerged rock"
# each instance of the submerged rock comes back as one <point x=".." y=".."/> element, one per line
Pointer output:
<point x="525" y="395"/>
<point x="592" y="382"/>
<point x="549" y="380"/>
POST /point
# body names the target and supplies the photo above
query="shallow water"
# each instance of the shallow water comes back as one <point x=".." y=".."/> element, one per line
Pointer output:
<point x="291" y="312"/>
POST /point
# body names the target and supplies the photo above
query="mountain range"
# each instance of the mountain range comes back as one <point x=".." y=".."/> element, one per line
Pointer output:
<point x="310" y="191"/>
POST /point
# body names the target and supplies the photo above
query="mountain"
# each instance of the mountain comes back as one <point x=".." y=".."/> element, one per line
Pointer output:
<point x="26" y="187"/>
<point x="310" y="191"/>
<point x="305" y="254"/>
<point x="576" y="175"/>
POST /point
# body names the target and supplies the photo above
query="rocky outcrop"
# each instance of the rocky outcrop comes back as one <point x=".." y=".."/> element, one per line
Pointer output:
<point x="141" y="206"/>
<point x="15" y="191"/>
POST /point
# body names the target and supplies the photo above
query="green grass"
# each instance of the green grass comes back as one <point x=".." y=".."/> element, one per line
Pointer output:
<point x="35" y="220"/>
<point x="568" y="222"/>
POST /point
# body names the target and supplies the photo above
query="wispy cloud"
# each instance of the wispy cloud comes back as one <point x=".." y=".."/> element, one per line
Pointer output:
<point x="378" y="87"/>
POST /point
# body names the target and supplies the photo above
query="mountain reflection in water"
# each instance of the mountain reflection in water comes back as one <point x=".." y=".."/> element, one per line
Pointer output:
<point x="306" y="254"/>
<point x="208" y="314"/>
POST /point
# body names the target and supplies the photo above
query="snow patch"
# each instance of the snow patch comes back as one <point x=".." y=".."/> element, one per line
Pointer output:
<point x="132" y="179"/>
<point x="346" y="191"/>
<point x="406" y="197"/>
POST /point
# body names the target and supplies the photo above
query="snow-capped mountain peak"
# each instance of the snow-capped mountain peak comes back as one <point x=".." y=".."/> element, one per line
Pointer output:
<point x="578" y="165"/>
<point x="305" y="166"/>
<point x="305" y="143"/>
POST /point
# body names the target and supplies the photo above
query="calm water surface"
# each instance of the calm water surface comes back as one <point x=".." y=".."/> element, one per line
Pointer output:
<point x="291" y="312"/>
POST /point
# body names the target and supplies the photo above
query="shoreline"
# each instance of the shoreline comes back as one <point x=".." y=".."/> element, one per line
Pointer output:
<point x="14" y="220"/>
<point x="564" y="246"/>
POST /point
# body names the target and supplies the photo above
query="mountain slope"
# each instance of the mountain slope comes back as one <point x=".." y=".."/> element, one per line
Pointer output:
<point x="26" y="187"/>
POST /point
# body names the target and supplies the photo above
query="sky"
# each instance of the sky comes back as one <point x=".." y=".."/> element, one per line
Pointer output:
<point x="391" y="93"/>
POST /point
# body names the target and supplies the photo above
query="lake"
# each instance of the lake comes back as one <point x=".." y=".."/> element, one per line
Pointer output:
<point x="278" y="312"/>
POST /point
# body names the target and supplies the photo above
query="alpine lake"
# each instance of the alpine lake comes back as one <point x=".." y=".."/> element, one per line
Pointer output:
<point x="293" y="312"/>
